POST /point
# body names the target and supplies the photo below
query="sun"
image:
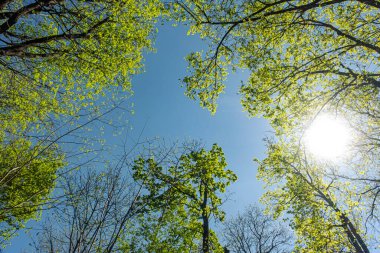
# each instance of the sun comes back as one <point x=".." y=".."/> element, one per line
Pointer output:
<point x="328" y="137"/>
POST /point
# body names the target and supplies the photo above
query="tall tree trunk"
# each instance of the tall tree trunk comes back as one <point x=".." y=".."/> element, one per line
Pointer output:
<point x="206" y="230"/>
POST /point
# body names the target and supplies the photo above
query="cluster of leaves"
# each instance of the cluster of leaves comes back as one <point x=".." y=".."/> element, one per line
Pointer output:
<point x="58" y="57"/>
<point x="27" y="177"/>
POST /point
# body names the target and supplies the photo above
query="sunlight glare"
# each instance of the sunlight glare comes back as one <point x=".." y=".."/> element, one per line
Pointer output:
<point x="328" y="137"/>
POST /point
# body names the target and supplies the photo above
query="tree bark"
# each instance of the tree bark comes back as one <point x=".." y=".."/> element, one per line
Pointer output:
<point x="205" y="225"/>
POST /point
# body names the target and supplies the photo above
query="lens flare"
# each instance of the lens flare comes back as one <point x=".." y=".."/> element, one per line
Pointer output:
<point x="328" y="137"/>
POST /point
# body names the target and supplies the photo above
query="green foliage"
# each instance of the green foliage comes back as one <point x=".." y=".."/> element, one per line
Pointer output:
<point x="327" y="211"/>
<point x="27" y="177"/>
<point x="303" y="56"/>
<point x="62" y="63"/>
<point x="175" y="194"/>
<point x="60" y="58"/>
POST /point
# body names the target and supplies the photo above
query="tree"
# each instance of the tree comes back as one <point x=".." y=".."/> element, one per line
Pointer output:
<point x="63" y="64"/>
<point x="93" y="208"/>
<point x="98" y="207"/>
<point x="30" y="169"/>
<point x="330" y="213"/>
<point x="305" y="57"/>
<point x="253" y="231"/>
<point x="184" y="192"/>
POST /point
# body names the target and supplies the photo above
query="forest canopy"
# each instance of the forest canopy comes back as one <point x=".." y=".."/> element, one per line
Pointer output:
<point x="68" y="65"/>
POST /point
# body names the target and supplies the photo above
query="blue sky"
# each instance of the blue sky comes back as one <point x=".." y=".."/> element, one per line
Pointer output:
<point x="159" y="101"/>
<point x="162" y="108"/>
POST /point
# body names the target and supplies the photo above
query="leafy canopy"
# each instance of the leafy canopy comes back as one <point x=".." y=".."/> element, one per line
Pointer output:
<point x="303" y="56"/>
<point x="58" y="57"/>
